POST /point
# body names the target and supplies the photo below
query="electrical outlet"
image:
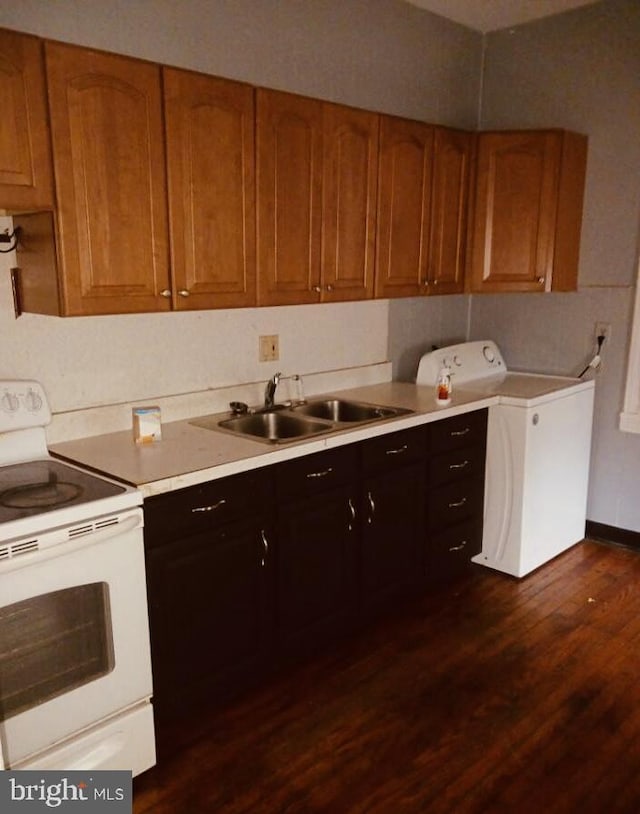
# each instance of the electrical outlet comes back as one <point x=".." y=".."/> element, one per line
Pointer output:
<point x="604" y="329"/>
<point x="268" y="348"/>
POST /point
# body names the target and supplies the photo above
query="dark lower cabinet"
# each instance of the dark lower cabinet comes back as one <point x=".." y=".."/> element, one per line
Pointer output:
<point x="316" y="568"/>
<point x="455" y="495"/>
<point x="392" y="535"/>
<point x="246" y="571"/>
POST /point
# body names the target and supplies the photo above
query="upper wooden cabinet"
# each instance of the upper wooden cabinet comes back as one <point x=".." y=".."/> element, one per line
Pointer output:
<point x="452" y="155"/>
<point x="349" y="186"/>
<point x="289" y="197"/>
<point x="316" y="192"/>
<point x="422" y="208"/>
<point x="108" y="150"/>
<point x="528" y="211"/>
<point x="404" y="207"/>
<point x="210" y="162"/>
<point x="26" y="176"/>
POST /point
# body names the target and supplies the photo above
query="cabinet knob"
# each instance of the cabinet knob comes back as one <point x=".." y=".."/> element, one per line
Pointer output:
<point x="317" y="289"/>
<point x="540" y="280"/>
<point x="184" y="292"/>
<point x="165" y="293"/>
<point x="329" y="287"/>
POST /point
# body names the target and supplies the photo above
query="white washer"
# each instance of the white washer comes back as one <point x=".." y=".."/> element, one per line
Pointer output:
<point x="538" y="450"/>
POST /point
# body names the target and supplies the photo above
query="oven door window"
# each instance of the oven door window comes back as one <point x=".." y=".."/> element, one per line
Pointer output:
<point x="52" y="644"/>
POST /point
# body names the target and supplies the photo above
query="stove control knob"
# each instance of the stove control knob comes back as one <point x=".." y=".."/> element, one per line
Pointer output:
<point x="489" y="355"/>
<point x="9" y="402"/>
<point x="32" y="401"/>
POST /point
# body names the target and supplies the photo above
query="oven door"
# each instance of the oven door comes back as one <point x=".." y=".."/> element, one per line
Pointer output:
<point x="74" y="635"/>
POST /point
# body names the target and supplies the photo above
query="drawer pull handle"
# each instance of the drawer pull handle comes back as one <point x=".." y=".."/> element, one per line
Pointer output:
<point x="211" y="508"/>
<point x="459" y="466"/>
<point x="458" y="547"/>
<point x="456" y="433"/>
<point x="320" y="474"/>
<point x="352" y="512"/>
<point x="458" y="503"/>
<point x="265" y="548"/>
<point x="372" y="507"/>
<point x="397" y="451"/>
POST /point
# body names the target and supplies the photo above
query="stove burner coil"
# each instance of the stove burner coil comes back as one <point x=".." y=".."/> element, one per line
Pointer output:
<point x="40" y="495"/>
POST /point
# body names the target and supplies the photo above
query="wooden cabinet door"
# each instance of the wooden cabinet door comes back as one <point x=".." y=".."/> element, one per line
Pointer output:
<point x="211" y="613"/>
<point x="350" y="169"/>
<point x="26" y="175"/>
<point x="289" y="198"/>
<point x="393" y="529"/>
<point x="515" y="211"/>
<point x="210" y="163"/>
<point x="108" y="139"/>
<point x="316" y="567"/>
<point x="451" y="167"/>
<point x="404" y="207"/>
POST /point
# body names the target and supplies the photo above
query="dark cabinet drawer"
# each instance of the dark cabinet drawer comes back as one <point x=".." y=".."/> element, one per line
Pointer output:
<point x="395" y="449"/>
<point x="209" y="505"/>
<point x="456" y="464"/>
<point x="469" y="429"/>
<point x="315" y="473"/>
<point x="451" y="550"/>
<point x="454" y="502"/>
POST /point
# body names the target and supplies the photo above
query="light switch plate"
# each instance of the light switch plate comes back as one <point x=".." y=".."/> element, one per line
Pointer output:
<point x="268" y="348"/>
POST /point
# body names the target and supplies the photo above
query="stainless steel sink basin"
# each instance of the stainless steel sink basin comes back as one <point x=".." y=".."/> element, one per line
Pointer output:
<point x="274" y="427"/>
<point x="285" y="424"/>
<point x="338" y="410"/>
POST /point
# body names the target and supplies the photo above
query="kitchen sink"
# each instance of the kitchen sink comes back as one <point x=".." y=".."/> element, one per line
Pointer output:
<point x="272" y="426"/>
<point x="338" y="410"/>
<point x="285" y="423"/>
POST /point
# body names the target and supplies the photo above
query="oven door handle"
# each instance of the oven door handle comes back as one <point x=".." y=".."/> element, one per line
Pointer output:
<point x="61" y="547"/>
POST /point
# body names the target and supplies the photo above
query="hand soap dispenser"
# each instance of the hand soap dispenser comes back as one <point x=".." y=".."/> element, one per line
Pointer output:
<point x="443" y="386"/>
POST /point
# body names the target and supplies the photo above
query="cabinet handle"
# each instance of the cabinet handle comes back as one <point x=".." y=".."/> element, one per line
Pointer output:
<point x="458" y="504"/>
<point x="317" y="289"/>
<point x="372" y="507"/>
<point x="352" y="511"/>
<point x="459" y="466"/>
<point x="458" y="547"/>
<point x="456" y="433"/>
<point x="397" y="451"/>
<point x="211" y="508"/>
<point x="184" y="292"/>
<point x="329" y="287"/>
<point x="321" y="474"/>
<point x="540" y="280"/>
<point x="265" y="548"/>
<point x="165" y="293"/>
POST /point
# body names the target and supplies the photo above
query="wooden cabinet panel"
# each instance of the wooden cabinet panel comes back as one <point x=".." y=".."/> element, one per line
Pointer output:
<point x="107" y="129"/>
<point x="404" y="207"/>
<point x="26" y="176"/>
<point x="350" y="175"/>
<point x="210" y="163"/>
<point x="317" y="550"/>
<point x="289" y="197"/>
<point x="528" y="207"/>
<point x="447" y="247"/>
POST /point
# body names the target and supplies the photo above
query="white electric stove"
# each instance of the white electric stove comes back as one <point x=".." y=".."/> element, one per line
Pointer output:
<point x="75" y="667"/>
<point x="538" y="451"/>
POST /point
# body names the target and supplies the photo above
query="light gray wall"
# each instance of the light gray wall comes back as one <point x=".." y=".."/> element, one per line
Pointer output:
<point x="581" y="71"/>
<point x="384" y="55"/>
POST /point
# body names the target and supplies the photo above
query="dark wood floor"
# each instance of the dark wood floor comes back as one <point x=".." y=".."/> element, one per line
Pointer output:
<point x="502" y="695"/>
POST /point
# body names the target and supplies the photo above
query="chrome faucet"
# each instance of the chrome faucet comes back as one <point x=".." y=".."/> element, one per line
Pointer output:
<point x="270" y="391"/>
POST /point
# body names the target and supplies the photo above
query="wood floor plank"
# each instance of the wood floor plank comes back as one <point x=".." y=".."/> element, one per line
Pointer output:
<point x="495" y="695"/>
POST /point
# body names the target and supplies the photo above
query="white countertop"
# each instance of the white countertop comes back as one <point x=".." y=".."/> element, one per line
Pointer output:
<point x="188" y="455"/>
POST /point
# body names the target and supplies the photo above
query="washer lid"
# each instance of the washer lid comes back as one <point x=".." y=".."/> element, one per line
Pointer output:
<point x="530" y="389"/>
